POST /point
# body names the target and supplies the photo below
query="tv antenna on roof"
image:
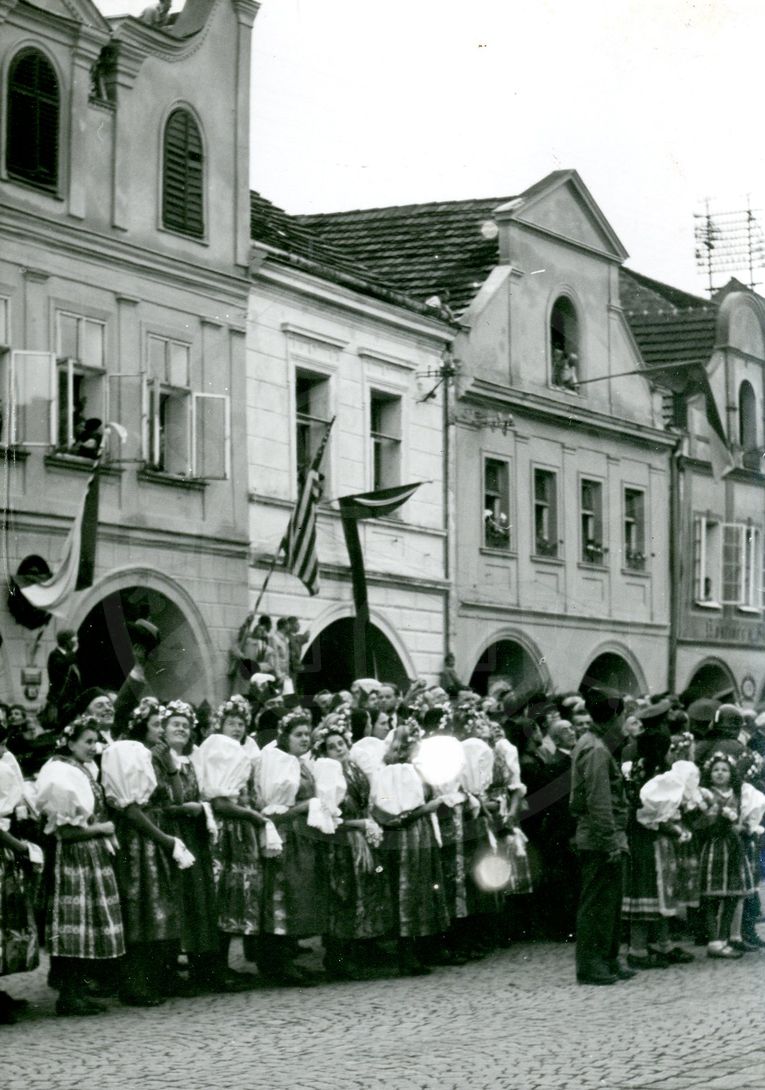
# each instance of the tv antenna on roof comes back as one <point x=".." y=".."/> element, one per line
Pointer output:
<point x="729" y="242"/>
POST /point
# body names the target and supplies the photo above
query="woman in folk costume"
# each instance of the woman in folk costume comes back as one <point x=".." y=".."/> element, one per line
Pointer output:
<point x="84" y="917"/>
<point x="687" y="848"/>
<point x="225" y="774"/>
<point x="411" y="852"/>
<point x="147" y="857"/>
<point x="295" y="887"/>
<point x="726" y="873"/>
<point x="19" y="951"/>
<point x="358" y="903"/>
<point x="655" y="828"/>
<point x="744" y="935"/>
<point x="191" y="820"/>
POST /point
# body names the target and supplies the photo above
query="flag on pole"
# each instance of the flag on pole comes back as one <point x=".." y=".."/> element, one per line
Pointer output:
<point x="299" y="542"/>
<point x="366" y="505"/>
<point x="75" y="572"/>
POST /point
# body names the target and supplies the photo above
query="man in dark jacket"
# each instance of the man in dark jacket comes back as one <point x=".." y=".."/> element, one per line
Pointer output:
<point x="64" y="681"/>
<point x="599" y="805"/>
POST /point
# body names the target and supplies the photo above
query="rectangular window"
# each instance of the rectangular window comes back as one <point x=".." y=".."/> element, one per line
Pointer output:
<point x="385" y="434"/>
<point x="312" y="414"/>
<point x="5" y="324"/>
<point x="591" y="516"/>
<point x="169" y="431"/>
<point x="496" y="504"/>
<point x="30" y="393"/>
<point x="169" y="361"/>
<point x="741" y="553"/>
<point x="82" y="339"/>
<point x="211" y="436"/>
<point x="707" y="562"/>
<point x="751" y="568"/>
<point x="545" y="512"/>
<point x="634" y="529"/>
<point x="80" y="409"/>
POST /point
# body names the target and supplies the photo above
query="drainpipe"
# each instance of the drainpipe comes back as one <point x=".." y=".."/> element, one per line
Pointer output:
<point x="676" y="588"/>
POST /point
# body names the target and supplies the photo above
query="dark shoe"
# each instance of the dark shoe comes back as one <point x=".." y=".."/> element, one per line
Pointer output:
<point x="744" y="945"/>
<point x="414" y="969"/>
<point x="621" y="971"/>
<point x="13" y="1004"/>
<point x="78" y="1007"/>
<point x="755" y="941"/>
<point x="141" y="1000"/>
<point x="597" y="978"/>
<point x="650" y="960"/>
<point x="675" y="956"/>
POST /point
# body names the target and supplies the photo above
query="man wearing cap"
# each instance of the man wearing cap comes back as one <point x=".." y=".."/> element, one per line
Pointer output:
<point x="599" y="805"/>
<point x="723" y="737"/>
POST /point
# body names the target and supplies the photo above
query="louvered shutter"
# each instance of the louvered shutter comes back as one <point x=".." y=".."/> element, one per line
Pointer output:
<point x="33" y="120"/>
<point x="183" y="176"/>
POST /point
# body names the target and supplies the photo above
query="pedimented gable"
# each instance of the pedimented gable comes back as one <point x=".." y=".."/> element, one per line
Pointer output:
<point x="82" y="11"/>
<point x="561" y="205"/>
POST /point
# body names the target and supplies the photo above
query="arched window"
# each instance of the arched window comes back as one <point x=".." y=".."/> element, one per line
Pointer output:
<point x="31" y="149"/>
<point x="564" y="344"/>
<point x="747" y="417"/>
<point x="183" y="176"/>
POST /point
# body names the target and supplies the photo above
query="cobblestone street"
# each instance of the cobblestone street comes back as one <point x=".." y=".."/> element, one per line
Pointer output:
<point x="516" y="1020"/>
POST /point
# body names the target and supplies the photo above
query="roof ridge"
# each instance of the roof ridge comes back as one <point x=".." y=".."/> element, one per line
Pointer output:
<point x="661" y="287"/>
<point x="417" y="205"/>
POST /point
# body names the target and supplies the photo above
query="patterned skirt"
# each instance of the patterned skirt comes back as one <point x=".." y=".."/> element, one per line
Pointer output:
<point x="195" y="889"/>
<point x="238" y="871"/>
<point x="519" y="859"/>
<point x="295" y="883"/>
<point x="725" y="867"/>
<point x="478" y="853"/>
<point x="148" y="891"/>
<point x="412" y="860"/>
<point x="650" y="890"/>
<point x="85" y="920"/>
<point x="688" y="873"/>
<point x="450" y="822"/>
<point x="19" y="951"/>
<point x="359" y="900"/>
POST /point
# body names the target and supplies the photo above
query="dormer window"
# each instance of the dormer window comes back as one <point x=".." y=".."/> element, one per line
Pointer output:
<point x="747" y="417"/>
<point x="183" y="176"/>
<point x="31" y="149"/>
<point x="564" y="344"/>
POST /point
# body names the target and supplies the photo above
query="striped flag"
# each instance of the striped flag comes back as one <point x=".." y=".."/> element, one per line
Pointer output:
<point x="299" y="542"/>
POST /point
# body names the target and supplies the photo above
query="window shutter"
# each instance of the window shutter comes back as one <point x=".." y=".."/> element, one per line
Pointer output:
<point x="127" y="404"/>
<point x="33" y="398"/>
<point x="183" y="176"/>
<point x="211" y="440"/>
<point x="733" y="567"/>
<point x="33" y="120"/>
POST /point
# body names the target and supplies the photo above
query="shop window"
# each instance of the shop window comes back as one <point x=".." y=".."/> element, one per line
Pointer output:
<point x="545" y="512"/>
<point x="385" y="436"/>
<point x="634" y="529"/>
<point x="747" y="417"/>
<point x="32" y="126"/>
<point x="496" y="504"/>
<point x="183" y="175"/>
<point x="564" y="344"/>
<point x="591" y="521"/>
<point x="312" y="415"/>
<point x="707" y="562"/>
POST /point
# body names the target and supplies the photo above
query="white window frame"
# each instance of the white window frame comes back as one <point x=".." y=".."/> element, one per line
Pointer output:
<point x="196" y="398"/>
<point x="504" y="547"/>
<point x="701" y="525"/>
<point x="553" y="513"/>
<point x="377" y="437"/>
<point x="73" y="367"/>
<point x="640" y="529"/>
<point x="598" y="520"/>
<point x="748" y="549"/>
<point x="81" y="319"/>
<point x="12" y="426"/>
<point x="317" y="377"/>
<point x="5" y="321"/>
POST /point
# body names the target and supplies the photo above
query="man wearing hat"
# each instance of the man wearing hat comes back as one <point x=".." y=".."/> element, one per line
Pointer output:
<point x="599" y="805"/>
<point x="723" y="737"/>
<point x="144" y="639"/>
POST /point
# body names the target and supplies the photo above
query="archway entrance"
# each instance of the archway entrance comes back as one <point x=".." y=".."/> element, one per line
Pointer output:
<point x="509" y="662"/>
<point x="174" y="670"/>
<point x="611" y="672"/>
<point x="714" y="680"/>
<point x="328" y="661"/>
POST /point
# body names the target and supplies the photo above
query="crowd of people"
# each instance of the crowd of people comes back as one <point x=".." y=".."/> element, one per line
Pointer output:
<point x="406" y="830"/>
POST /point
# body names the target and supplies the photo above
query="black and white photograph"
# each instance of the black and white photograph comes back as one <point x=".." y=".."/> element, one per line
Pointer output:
<point x="382" y="607"/>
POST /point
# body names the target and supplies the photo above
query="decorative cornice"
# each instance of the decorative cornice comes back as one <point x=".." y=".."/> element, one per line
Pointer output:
<point x="293" y="330"/>
<point x="562" y="620"/>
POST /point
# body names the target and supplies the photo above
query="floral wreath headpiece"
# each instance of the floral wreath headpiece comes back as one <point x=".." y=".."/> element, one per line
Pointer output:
<point x="291" y="720"/>
<point x="336" y="723"/>
<point x="88" y="721"/>
<point x="180" y="708"/>
<point x="681" y="741"/>
<point x="237" y="705"/>
<point x="718" y="756"/>
<point x="147" y="707"/>
<point x="752" y="771"/>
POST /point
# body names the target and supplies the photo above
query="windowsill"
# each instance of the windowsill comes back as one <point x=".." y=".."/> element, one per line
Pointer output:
<point x="492" y="550"/>
<point x="700" y="604"/>
<point x="563" y="389"/>
<point x="542" y="558"/>
<point x="173" y="480"/>
<point x="641" y="572"/>
<point x="13" y="454"/>
<point x="748" y="609"/>
<point x="48" y="191"/>
<point x="77" y="464"/>
<point x="590" y="565"/>
<point x="202" y="240"/>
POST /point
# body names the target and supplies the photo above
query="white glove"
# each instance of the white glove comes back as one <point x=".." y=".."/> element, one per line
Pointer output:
<point x="182" y="855"/>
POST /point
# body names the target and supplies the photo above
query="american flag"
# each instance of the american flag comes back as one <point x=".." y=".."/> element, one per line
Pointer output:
<point x="299" y="542"/>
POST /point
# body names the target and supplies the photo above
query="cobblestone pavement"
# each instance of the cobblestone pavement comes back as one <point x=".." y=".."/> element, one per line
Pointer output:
<point x="514" y="1021"/>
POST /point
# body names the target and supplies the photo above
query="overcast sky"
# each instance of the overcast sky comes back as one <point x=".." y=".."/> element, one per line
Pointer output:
<point x="655" y="102"/>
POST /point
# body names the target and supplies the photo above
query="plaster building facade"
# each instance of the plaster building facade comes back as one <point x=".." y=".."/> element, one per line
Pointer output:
<point x="718" y="638"/>
<point x="560" y="463"/>
<point x="327" y="339"/>
<point x="124" y="222"/>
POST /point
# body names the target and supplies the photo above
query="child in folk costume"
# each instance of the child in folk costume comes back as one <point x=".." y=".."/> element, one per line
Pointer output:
<point x="225" y="773"/>
<point x="743" y="935"/>
<point x="295" y="875"/>
<point x="410" y="849"/>
<point x="191" y="820"/>
<point x="358" y="902"/>
<point x="84" y="915"/>
<point x="19" y="951"/>
<point x="146" y="861"/>
<point x="726" y="875"/>
<point x="488" y="872"/>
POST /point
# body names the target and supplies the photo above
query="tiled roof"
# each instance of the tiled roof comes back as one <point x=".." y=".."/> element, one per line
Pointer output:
<point x="669" y="324"/>
<point x="296" y="243"/>
<point x="446" y="248"/>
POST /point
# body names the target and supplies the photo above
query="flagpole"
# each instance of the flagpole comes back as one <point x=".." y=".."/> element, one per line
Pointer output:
<point x="269" y="573"/>
<point x="645" y="371"/>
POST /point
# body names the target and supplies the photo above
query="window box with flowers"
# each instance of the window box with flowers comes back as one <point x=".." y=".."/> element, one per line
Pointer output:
<point x="496" y="530"/>
<point x="595" y="552"/>
<point x="543" y="546"/>
<point x="634" y="559"/>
